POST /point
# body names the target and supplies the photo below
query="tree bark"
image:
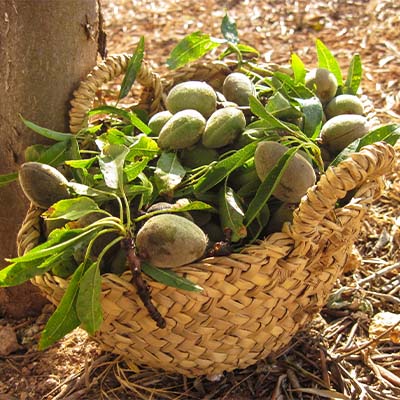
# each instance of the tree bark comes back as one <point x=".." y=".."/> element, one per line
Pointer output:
<point x="47" y="47"/>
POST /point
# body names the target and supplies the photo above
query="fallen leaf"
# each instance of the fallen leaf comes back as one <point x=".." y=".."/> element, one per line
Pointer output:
<point x="383" y="321"/>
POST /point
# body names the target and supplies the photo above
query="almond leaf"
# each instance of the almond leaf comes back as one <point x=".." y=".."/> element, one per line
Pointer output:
<point x="88" y="305"/>
<point x="170" y="278"/>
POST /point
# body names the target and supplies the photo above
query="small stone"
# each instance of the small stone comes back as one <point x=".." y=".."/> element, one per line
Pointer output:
<point x="8" y="341"/>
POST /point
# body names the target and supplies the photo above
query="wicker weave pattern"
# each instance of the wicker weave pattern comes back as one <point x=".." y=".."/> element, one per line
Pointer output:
<point x="104" y="72"/>
<point x="253" y="302"/>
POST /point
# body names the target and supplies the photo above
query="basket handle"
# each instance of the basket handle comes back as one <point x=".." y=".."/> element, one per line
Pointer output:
<point x="372" y="162"/>
<point x="107" y="70"/>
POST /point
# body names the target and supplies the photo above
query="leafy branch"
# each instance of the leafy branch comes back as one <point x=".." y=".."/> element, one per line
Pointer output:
<point x="198" y="44"/>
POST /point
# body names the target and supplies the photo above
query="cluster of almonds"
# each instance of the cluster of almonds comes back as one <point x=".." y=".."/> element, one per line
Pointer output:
<point x="199" y="132"/>
<point x="343" y="118"/>
<point x="199" y="125"/>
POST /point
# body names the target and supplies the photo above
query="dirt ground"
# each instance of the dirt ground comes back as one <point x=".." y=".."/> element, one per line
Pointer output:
<point x="337" y="350"/>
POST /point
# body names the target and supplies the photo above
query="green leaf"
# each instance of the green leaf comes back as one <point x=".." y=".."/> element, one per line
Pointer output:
<point x="111" y="163"/>
<point x="263" y="218"/>
<point x="58" y="241"/>
<point x="8" y="178"/>
<point x="33" y="152"/>
<point x="90" y="130"/>
<point x="48" y="133"/>
<point x="243" y="48"/>
<point x="49" y="262"/>
<point x="238" y="48"/>
<point x="280" y="107"/>
<point x="191" y="48"/>
<point x="132" y="190"/>
<point x="65" y="318"/>
<point x="283" y="82"/>
<point x="55" y="154"/>
<point x="85" y="190"/>
<point x="82" y="164"/>
<point x="73" y="153"/>
<point x="268" y="186"/>
<point x="146" y="196"/>
<point x="354" y="75"/>
<point x="312" y="113"/>
<point x="132" y="70"/>
<point x="126" y="116"/>
<point x="261" y="221"/>
<point x="223" y="168"/>
<point x="169" y="172"/>
<point x="351" y="148"/>
<point x="258" y="109"/>
<point x="229" y="29"/>
<point x="143" y="146"/>
<point x="105" y="109"/>
<point x="133" y="170"/>
<point x="71" y="209"/>
<point x="195" y="205"/>
<point x="388" y="133"/>
<point x="328" y="61"/>
<point x="114" y="136"/>
<point x="138" y="123"/>
<point x="20" y="272"/>
<point x="299" y="69"/>
<point x="248" y="189"/>
<point x="88" y="302"/>
<point x="231" y="213"/>
<point x="170" y="278"/>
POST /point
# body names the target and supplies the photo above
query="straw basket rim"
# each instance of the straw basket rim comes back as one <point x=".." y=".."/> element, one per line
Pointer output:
<point x="254" y="301"/>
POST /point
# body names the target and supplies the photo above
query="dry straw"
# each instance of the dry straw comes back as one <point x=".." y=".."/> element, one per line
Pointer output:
<point x="254" y="302"/>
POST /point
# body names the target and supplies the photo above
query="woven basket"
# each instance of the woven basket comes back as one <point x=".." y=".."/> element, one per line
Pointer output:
<point x="253" y="303"/>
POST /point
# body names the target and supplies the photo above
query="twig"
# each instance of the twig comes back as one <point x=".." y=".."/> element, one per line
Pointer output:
<point x="142" y="288"/>
<point x="339" y="326"/>
<point x="77" y="380"/>
<point x="381" y="272"/>
<point x="236" y="385"/>
<point x="365" y="345"/>
<point x="356" y="384"/>
<point x="305" y="373"/>
<point x="76" y="395"/>
<point x="394" y="358"/>
<point x="380" y="396"/>
<point x="306" y="359"/>
<point x="324" y="369"/>
<point x="387" y="297"/>
<point x="388" y="378"/>
<point x="293" y="379"/>
<point x="277" y="394"/>
<point x="352" y="333"/>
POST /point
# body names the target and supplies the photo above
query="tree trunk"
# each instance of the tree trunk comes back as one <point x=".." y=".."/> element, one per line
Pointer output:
<point x="47" y="47"/>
